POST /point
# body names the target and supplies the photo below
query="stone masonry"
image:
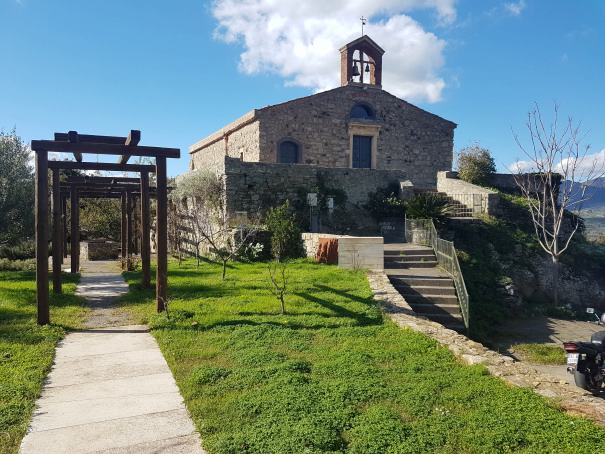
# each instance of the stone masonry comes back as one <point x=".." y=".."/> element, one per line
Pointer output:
<point x="405" y="137"/>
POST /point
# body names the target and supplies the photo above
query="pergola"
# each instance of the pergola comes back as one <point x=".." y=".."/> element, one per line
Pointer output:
<point x="125" y="188"/>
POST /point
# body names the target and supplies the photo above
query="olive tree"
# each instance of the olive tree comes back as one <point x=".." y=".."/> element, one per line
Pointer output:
<point x="17" y="197"/>
<point x="203" y="218"/>
<point x="559" y="184"/>
<point x="475" y="165"/>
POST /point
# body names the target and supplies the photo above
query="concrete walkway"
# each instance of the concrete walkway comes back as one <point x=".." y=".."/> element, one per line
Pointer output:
<point x="110" y="390"/>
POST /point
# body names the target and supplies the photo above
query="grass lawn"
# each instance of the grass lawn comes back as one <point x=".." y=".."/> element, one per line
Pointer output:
<point x="332" y="375"/>
<point x="26" y="349"/>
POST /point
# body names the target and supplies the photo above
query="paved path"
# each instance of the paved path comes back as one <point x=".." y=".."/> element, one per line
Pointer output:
<point x="110" y="390"/>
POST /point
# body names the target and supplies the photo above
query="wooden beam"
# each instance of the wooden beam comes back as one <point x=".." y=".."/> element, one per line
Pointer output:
<point x="161" y="278"/>
<point x="64" y="224"/>
<point x="104" y="166"/>
<point x="87" y="138"/>
<point x="42" y="238"/>
<point x="128" y="224"/>
<point x="75" y="230"/>
<point x="123" y="233"/>
<point x="103" y="148"/>
<point x="57" y="233"/>
<point x="145" y="228"/>
<point x="132" y="140"/>
<point x="72" y="136"/>
<point x="108" y="180"/>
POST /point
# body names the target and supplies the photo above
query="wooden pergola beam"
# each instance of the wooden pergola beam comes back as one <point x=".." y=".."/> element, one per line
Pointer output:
<point x="104" y="148"/>
<point x="132" y="140"/>
<point x="79" y="144"/>
<point x="104" y="166"/>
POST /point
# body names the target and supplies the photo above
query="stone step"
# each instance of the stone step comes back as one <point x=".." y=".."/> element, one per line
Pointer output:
<point x="408" y="265"/>
<point x="406" y="290"/>
<point x="449" y="321"/>
<point x="432" y="300"/>
<point x="412" y="281"/>
<point x="428" y="308"/>
<point x="409" y="251"/>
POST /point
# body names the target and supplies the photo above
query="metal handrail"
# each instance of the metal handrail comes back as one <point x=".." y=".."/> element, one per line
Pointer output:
<point x="423" y="232"/>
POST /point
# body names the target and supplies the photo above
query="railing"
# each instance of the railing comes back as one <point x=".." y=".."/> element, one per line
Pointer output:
<point x="463" y="205"/>
<point x="422" y="231"/>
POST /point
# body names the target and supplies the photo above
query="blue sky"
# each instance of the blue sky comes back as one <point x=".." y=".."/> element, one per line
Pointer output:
<point x="180" y="70"/>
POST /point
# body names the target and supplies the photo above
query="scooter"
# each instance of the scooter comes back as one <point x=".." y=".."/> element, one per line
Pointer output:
<point x="585" y="359"/>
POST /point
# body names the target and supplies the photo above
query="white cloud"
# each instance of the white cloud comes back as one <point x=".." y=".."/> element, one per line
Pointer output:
<point x="588" y="167"/>
<point x="515" y="8"/>
<point x="300" y="40"/>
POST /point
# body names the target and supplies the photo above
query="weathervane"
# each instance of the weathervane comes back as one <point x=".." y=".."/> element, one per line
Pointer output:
<point x="363" y="22"/>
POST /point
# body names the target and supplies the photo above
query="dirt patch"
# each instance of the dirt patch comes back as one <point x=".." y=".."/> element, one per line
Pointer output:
<point x="101" y="285"/>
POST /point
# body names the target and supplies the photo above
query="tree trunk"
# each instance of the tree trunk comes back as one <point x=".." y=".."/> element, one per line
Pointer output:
<point x="197" y="255"/>
<point x="224" y="268"/>
<point x="555" y="280"/>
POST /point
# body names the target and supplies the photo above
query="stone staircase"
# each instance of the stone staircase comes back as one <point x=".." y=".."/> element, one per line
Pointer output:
<point x="461" y="210"/>
<point x="430" y="292"/>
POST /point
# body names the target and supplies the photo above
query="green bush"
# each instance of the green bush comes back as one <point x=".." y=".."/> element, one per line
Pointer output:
<point x="385" y="203"/>
<point x="430" y="206"/>
<point x="476" y="165"/>
<point x="21" y="251"/>
<point x="286" y="241"/>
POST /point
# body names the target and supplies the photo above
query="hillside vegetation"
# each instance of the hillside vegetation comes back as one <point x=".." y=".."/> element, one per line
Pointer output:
<point x="503" y="250"/>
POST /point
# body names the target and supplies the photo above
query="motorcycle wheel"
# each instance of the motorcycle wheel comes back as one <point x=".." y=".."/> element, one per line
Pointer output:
<point x="584" y="381"/>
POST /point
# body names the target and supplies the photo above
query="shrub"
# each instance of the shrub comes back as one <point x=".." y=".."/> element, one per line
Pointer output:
<point x="21" y="251"/>
<point x="476" y="165"/>
<point x="286" y="242"/>
<point x="385" y="203"/>
<point x="430" y="206"/>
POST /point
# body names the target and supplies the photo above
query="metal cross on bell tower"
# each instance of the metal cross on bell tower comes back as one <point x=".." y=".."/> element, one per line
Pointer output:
<point x="363" y="22"/>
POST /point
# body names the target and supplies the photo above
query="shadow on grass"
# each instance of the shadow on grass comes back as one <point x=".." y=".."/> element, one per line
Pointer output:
<point x="339" y="311"/>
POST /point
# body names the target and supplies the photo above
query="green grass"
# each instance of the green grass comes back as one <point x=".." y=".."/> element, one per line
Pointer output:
<point x="332" y="375"/>
<point x="26" y="349"/>
<point x="540" y="353"/>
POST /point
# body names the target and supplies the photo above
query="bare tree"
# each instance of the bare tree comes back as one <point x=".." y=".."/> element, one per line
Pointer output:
<point x="204" y="219"/>
<point x="560" y="185"/>
<point x="279" y="285"/>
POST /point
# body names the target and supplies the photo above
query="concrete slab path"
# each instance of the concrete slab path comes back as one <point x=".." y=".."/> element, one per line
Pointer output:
<point x="110" y="390"/>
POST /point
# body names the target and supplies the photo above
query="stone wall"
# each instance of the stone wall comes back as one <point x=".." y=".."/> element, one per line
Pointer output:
<point x="405" y="137"/>
<point x="449" y="183"/>
<point x="356" y="253"/>
<point x="251" y="185"/>
<point x="239" y="139"/>
<point x="99" y="250"/>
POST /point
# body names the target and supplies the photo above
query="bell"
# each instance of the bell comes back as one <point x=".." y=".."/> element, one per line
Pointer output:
<point x="355" y="70"/>
<point x="367" y="67"/>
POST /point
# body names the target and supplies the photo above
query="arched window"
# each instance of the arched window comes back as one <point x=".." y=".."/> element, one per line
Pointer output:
<point x="289" y="151"/>
<point x="362" y="110"/>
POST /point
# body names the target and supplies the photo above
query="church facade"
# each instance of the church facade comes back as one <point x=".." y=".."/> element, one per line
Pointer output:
<point x="355" y="126"/>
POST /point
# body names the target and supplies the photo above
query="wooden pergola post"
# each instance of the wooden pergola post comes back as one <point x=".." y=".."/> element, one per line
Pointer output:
<point x="64" y="226"/>
<point x="145" y="237"/>
<point x="162" y="235"/>
<point x="75" y="230"/>
<point x="42" y="237"/>
<point x="114" y="187"/>
<point x="57" y="232"/>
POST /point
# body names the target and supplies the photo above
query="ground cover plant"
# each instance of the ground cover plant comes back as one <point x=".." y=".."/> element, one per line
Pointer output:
<point x="540" y="353"/>
<point x="332" y="375"/>
<point x="26" y="349"/>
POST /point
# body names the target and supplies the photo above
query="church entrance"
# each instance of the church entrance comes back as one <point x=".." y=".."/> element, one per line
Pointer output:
<point x="362" y="152"/>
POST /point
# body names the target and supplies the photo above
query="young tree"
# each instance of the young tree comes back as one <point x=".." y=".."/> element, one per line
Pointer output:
<point x="204" y="219"/>
<point x="564" y="175"/>
<point x="475" y="165"/>
<point x="286" y="241"/>
<point x="17" y="197"/>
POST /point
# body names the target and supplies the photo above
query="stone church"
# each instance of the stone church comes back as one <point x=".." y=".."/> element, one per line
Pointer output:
<point x="358" y="137"/>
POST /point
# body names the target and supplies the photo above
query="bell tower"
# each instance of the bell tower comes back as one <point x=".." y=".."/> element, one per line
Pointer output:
<point x="361" y="62"/>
